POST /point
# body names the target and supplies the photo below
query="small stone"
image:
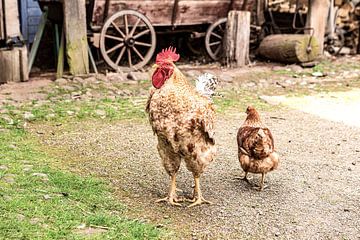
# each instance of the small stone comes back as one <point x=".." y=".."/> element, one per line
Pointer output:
<point x="47" y="197"/>
<point x="27" y="168"/>
<point x="277" y="234"/>
<point x="61" y="81"/>
<point x="9" y="178"/>
<point x="3" y="168"/>
<point x="353" y="163"/>
<point x="100" y="112"/>
<point x="50" y="116"/>
<point x="43" y="176"/>
<point x="346" y="210"/>
<point x="349" y="169"/>
<point x="8" y="119"/>
<point x="81" y="226"/>
<point x="12" y="146"/>
<point x="29" y="116"/>
<point x="70" y="113"/>
<point x="20" y="217"/>
<point x="34" y="221"/>
<point x="318" y="74"/>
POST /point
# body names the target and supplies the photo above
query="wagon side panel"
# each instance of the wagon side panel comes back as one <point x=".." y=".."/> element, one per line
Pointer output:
<point x="159" y="12"/>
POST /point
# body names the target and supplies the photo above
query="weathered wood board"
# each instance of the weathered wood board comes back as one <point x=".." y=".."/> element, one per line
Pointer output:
<point x="11" y="16"/>
<point x="317" y="19"/>
<point x="237" y="39"/>
<point x="76" y="38"/>
<point x="2" y="32"/>
<point x="159" y="12"/>
<point x="13" y="65"/>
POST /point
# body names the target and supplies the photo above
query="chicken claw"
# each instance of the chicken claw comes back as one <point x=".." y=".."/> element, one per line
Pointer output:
<point x="198" y="198"/>
<point x="198" y="201"/>
<point x="172" y="201"/>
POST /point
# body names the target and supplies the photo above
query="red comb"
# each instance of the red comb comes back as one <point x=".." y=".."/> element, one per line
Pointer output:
<point x="167" y="55"/>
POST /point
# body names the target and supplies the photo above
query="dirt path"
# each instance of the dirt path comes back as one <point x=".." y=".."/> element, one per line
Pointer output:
<point x="314" y="194"/>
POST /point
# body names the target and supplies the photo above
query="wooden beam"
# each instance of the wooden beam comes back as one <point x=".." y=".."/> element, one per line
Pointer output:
<point x="317" y="20"/>
<point x="76" y="37"/>
<point x="237" y="38"/>
<point x="37" y="39"/>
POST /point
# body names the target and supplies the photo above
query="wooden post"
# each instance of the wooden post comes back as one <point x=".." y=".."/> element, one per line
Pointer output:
<point x="2" y="28"/>
<point x="76" y="38"/>
<point x="13" y="65"/>
<point x="237" y="38"/>
<point x="317" y="19"/>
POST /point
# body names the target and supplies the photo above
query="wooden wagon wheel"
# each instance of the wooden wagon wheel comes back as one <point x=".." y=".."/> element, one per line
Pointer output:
<point x="127" y="40"/>
<point x="214" y="38"/>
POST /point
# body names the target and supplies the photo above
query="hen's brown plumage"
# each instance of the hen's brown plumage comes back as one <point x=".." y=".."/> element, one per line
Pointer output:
<point x="183" y="121"/>
<point x="256" y="146"/>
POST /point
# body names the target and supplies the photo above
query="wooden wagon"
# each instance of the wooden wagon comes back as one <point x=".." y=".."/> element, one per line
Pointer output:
<point x="125" y="31"/>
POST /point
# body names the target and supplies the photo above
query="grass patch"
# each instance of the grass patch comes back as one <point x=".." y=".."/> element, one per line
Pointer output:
<point x="39" y="202"/>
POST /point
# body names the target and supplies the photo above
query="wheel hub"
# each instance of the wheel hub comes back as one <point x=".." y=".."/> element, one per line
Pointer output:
<point x="129" y="42"/>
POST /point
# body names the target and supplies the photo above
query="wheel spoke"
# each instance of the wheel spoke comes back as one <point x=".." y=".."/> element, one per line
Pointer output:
<point x="217" y="50"/>
<point x="126" y="25"/>
<point x="216" y="35"/>
<point x="142" y="44"/>
<point x="120" y="55"/>
<point x="118" y="29"/>
<point x="134" y="27"/>
<point x="115" y="47"/>
<point x="138" y="53"/>
<point x="141" y="33"/>
<point x="129" y="57"/>
<point x="214" y="43"/>
<point x="115" y="38"/>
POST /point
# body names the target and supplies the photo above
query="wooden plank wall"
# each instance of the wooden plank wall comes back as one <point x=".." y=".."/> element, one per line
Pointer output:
<point x="2" y="33"/>
<point x="12" y="18"/>
<point x="30" y="18"/>
<point x="159" y="12"/>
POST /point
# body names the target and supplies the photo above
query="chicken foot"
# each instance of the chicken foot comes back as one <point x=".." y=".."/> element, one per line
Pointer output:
<point x="262" y="186"/>
<point x="197" y="198"/>
<point x="172" y="198"/>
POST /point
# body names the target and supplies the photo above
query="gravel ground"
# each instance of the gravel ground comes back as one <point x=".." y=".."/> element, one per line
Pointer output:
<point x="313" y="195"/>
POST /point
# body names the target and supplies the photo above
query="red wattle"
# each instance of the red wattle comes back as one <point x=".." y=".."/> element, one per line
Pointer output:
<point x="160" y="76"/>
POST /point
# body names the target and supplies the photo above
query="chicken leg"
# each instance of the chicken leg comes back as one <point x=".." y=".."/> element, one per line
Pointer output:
<point x="172" y="197"/>
<point x="197" y="198"/>
<point x="262" y="186"/>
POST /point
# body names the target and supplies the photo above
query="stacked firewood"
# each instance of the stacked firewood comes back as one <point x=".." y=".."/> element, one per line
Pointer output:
<point x="347" y="20"/>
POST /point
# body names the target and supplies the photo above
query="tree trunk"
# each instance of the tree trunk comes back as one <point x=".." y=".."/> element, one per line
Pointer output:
<point x="237" y="39"/>
<point x="317" y="19"/>
<point x="76" y="39"/>
<point x="289" y="48"/>
<point x="13" y="65"/>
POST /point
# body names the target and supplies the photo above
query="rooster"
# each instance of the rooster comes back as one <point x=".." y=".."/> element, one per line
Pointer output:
<point x="183" y="121"/>
<point x="256" y="147"/>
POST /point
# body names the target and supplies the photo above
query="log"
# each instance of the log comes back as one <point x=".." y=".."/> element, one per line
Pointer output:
<point x="289" y="48"/>
<point x="237" y="38"/>
<point x="317" y="19"/>
<point x="76" y="38"/>
<point x="11" y="17"/>
<point x="13" y="65"/>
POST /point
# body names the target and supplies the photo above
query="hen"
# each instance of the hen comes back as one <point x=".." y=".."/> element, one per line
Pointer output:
<point x="256" y="147"/>
<point x="183" y="120"/>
